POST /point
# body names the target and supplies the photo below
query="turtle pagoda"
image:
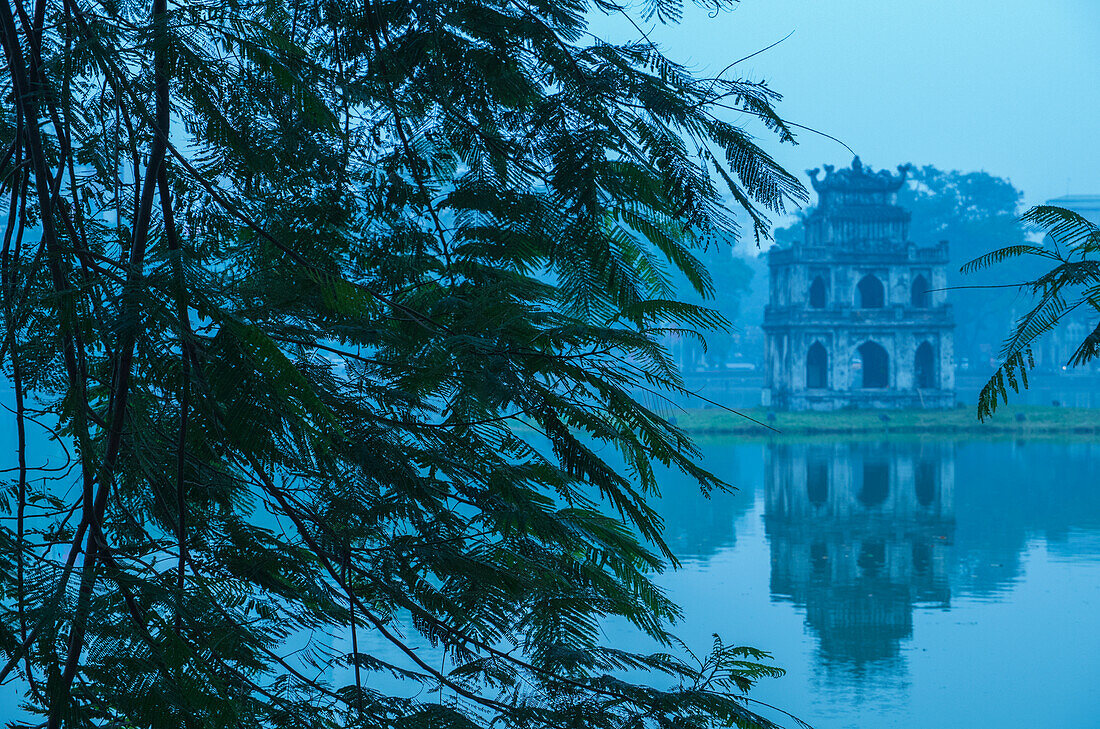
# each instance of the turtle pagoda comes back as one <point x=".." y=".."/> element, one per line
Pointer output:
<point x="857" y="315"/>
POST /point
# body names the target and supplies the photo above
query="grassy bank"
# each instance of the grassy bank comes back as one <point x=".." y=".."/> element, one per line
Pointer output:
<point x="1020" y="420"/>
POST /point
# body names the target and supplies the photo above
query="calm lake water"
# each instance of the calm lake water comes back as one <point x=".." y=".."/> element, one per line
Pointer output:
<point x="903" y="584"/>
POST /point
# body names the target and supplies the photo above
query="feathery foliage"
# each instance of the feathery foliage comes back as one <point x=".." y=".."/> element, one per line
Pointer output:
<point x="340" y="306"/>
<point x="1073" y="283"/>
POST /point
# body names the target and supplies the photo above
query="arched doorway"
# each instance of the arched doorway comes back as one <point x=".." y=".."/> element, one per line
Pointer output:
<point x="872" y="294"/>
<point x="925" y="483"/>
<point x="924" y="367"/>
<point x="817" y="367"/>
<point x="920" y="296"/>
<point x="817" y="482"/>
<point x="876" y="365"/>
<point x="817" y="293"/>
<point x="875" y="486"/>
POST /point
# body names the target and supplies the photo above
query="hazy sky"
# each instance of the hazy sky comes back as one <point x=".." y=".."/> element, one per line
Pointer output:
<point x="1006" y="86"/>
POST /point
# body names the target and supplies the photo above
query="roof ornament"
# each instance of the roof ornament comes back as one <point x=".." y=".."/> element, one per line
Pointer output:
<point x="859" y="178"/>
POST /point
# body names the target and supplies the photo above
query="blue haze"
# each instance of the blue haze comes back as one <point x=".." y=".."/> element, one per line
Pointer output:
<point x="1005" y="86"/>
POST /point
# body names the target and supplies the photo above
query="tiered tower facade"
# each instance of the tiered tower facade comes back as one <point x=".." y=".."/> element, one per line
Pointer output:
<point x="858" y="316"/>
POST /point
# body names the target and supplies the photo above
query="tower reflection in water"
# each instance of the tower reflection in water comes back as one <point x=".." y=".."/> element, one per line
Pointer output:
<point x="859" y="536"/>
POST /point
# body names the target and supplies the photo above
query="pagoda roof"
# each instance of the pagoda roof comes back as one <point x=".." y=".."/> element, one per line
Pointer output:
<point x="858" y="178"/>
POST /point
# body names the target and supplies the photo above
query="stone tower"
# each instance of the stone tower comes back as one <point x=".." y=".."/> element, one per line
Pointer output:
<point x="857" y="315"/>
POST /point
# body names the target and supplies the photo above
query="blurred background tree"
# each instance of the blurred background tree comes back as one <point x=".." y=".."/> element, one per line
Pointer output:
<point x="733" y="278"/>
<point x="975" y="212"/>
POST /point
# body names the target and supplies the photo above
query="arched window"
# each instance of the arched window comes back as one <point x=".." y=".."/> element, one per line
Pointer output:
<point x="924" y="367"/>
<point x="921" y="297"/>
<point x="876" y="484"/>
<point x="872" y="295"/>
<point x="876" y="365"/>
<point x="817" y="367"/>
<point x="817" y="482"/>
<point x="925" y="485"/>
<point x="817" y="293"/>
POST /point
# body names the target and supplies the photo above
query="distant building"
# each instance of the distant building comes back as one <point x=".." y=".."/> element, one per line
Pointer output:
<point x="857" y="316"/>
<point x="1087" y="206"/>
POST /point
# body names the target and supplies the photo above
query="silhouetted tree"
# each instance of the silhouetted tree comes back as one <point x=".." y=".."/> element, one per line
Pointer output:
<point x="336" y="305"/>
<point x="1072" y="285"/>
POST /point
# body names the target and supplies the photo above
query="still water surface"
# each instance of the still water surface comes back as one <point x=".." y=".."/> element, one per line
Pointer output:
<point x="902" y="584"/>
